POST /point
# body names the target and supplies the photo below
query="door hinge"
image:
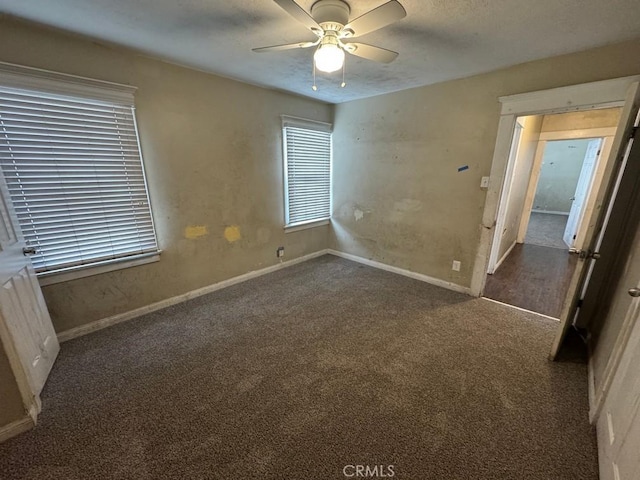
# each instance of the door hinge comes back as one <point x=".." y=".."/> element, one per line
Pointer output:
<point x="633" y="132"/>
<point x="579" y="304"/>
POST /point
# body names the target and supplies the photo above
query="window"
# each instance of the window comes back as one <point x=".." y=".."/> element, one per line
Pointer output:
<point x="307" y="158"/>
<point x="74" y="171"/>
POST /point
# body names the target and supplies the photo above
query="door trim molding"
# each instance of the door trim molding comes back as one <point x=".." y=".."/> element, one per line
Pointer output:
<point x="603" y="94"/>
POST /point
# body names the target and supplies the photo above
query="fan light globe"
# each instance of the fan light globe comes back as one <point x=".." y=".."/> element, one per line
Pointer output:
<point x="329" y="58"/>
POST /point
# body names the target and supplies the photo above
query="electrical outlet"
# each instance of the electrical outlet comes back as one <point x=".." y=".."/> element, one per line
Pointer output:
<point x="484" y="183"/>
<point x="280" y="252"/>
<point x="455" y="266"/>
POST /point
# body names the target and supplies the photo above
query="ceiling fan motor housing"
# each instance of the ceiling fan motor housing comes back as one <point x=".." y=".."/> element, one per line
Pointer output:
<point x="331" y="14"/>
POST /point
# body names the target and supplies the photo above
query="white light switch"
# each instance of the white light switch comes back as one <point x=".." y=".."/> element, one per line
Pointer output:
<point x="484" y="183"/>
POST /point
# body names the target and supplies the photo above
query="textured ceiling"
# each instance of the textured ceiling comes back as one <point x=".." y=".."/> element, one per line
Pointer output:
<point x="438" y="40"/>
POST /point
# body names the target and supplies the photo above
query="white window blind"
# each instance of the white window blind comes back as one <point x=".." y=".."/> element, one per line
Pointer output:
<point x="76" y="179"/>
<point x="307" y="149"/>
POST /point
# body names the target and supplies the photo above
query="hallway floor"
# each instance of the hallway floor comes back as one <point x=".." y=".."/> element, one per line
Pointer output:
<point x="546" y="230"/>
<point x="533" y="277"/>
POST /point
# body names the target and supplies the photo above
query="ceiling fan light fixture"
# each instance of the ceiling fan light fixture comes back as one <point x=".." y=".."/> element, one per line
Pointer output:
<point x="329" y="57"/>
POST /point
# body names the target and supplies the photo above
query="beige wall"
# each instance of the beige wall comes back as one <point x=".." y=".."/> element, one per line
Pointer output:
<point x="561" y="166"/>
<point x="520" y="183"/>
<point x="11" y="407"/>
<point x="398" y="196"/>
<point x="212" y="150"/>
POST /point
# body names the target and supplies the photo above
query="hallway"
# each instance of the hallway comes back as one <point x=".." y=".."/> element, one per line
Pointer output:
<point x="533" y="277"/>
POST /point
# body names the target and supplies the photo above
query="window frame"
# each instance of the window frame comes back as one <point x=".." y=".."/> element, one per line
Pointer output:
<point x="48" y="82"/>
<point x="313" y="125"/>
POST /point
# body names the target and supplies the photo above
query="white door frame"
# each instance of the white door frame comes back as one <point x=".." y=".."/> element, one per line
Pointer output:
<point x="606" y="133"/>
<point x="603" y="94"/>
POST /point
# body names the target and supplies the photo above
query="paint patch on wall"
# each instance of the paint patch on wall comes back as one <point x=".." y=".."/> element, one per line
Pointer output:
<point x="408" y="205"/>
<point x="264" y="235"/>
<point x="358" y="214"/>
<point x="232" y="233"/>
<point x="404" y="208"/>
<point x="195" y="231"/>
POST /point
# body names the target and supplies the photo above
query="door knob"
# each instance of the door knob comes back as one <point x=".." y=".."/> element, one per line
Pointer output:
<point x="26" y="251"/>
<point x="634" y="292"/>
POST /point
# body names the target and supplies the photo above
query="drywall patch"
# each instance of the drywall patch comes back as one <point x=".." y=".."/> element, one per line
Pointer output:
<point x="195" y="231"/>
<point x="405" y="208"/>
<point x="358" y="214"/>
<point x="232" y="233"/>
<point x="264" y="235"/>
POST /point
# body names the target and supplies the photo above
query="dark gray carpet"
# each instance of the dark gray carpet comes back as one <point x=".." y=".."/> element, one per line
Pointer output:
<point x="546" y="230"/>
<point x="298" y="373"/>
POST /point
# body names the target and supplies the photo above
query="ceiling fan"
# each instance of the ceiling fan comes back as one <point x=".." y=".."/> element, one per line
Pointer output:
<point x="329" y="21"/>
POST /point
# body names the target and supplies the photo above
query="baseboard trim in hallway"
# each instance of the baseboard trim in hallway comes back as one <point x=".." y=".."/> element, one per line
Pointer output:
<point x="521" y="309"/>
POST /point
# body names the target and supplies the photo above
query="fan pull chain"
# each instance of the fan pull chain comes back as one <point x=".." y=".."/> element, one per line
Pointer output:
<point x="344" y="67"/>
<point x="314" y="86"/>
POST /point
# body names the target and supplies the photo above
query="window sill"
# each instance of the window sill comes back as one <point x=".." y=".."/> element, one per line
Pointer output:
<point x="51" y="278"/>
<point x="296" y="227"/>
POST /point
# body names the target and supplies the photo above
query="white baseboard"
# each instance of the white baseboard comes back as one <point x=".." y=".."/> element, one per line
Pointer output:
<point x="16" y="428"/>
<point x="123" y="317"/>
<point x="550" y="212"/>
<point x="504" y="257"/>
<point x="401" y="271"/>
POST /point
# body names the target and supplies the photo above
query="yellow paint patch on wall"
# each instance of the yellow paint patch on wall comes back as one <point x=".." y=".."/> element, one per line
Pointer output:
<point x="232" y="233"/>
<point x="195" y="231"/>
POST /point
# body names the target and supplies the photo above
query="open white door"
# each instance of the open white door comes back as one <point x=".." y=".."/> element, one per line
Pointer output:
<point x="26" y="331"/>
<point x="582" y="191"/>
<point x="504" y="199"/>
<point x="599" y="217"/>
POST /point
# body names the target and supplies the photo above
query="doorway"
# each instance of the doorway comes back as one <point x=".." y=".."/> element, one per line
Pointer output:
<point x="564" y="183"/>
<point x="556" y="165"/>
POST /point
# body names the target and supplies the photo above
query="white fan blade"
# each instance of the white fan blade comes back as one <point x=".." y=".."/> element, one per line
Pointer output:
<point x="299" y="13"/>
<point x="375" y="19"/>
<point x="370" y="52"/>
<point x="288" y="46"/>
